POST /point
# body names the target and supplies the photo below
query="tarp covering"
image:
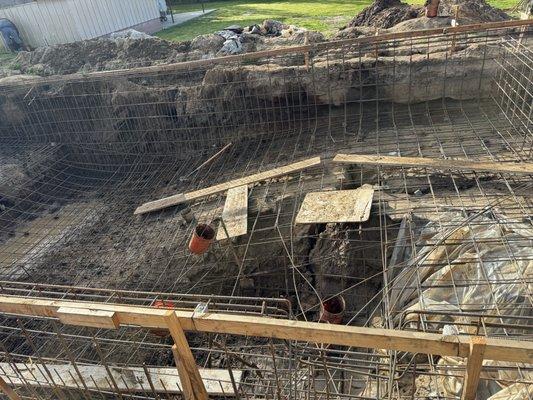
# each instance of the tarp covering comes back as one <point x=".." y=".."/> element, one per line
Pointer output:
<point x="479" y="264"/>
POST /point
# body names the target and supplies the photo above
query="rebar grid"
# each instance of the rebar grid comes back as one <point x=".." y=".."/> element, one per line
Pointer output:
<point x="94" y="148"/>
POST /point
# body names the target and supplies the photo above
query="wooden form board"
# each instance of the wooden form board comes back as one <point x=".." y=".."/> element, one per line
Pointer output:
<point x="8" y="390"/>
<point x="235" y="214"/>
<point x="80" y="316"/>
<point x="233" y="324"/>
<point x="165" y="380"/>
<point x="521" y="168"/>
<point x="193" y="386"/>
<point x="474" y="365"/>
<point x="431" y="206"/>
<point x="336" y="206"/>
<point x="222" y="187"/>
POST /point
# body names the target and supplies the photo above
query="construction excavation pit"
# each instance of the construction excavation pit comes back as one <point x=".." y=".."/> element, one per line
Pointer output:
<point x="338" y="220"/>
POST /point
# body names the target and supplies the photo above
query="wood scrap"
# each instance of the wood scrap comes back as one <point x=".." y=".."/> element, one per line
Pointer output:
<point x="520" y="168"/>
<point x="235" y="214"/>
<point x="336" y="206"/>
<point x="222" y="187"/>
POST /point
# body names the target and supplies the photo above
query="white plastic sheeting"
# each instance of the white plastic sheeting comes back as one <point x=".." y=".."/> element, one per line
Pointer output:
<point x="477" y="265"/>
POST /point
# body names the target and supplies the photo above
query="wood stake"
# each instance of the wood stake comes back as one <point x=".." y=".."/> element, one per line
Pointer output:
<point x="8" y="391"/>
<point x="306" y="55"/>
<point x="474" y="364"/>
<point x="193" y="385"/>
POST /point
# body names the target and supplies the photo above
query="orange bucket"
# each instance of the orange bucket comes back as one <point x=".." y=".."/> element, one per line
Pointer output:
<point x="332" y="310"/>
<point x="201" y="239"/>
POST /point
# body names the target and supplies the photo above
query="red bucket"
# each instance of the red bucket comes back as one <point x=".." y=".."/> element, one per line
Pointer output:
<point x="332" y="310"/>
<point x="201" y="239"/>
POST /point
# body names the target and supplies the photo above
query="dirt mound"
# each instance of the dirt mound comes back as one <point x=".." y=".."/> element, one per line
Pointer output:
<point x="389" y="13"/>
<point x="99" y="54"/>
<point x="135" y="49"/>
<point x="472" y="11"/>
<point x="385" y="14"/>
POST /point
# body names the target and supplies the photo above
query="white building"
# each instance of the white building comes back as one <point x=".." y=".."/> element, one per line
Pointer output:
<point x="46" y="22"/>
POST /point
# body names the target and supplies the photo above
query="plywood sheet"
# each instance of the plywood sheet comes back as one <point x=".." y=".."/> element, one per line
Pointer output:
<point x="235" y="214"/>
<point x="336" y="206"/>
<point x="222" y="187"/>
<point x="165" y="380"/>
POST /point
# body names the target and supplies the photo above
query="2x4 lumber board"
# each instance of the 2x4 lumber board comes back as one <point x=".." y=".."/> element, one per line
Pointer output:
<point x="8" y="390"/>
<point x="474" y="364"/>
<point x="128" y="380"/>
<point x="222" y="187"/>
<point x="336" y="206"/>
<point x="521" y="168"/>
<point x="88" y="317"/>
<point x="188" y="370"/>
<point x="235" y="213"/>
<point x="372" y="338"/>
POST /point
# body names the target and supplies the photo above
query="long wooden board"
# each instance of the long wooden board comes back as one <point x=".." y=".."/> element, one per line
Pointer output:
<point x="222" y="187"/>
<point x="521" y="168"/>
<point x="336" y="206"/>
<point x="165" y="380"/>
<point x="431" y="206"/>
<point x="97" y="318"/>
<point x="374" y="338"/>
<point x="235" y="214"/>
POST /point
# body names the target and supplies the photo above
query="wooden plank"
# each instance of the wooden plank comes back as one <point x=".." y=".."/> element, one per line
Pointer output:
<point x="8" y="390"/>
<point x="521" y="168"/>
<point x="431" y="206"/>
<point x="373" y="338"/>
<point x="235" y="214"/>
<point x="87" y="317"/>
<point x="193" y="386"/>
<point x="474" y="364"/>
<point x="132" y="379"/>
<point x="222" y="187"/>
<point x="186" y="385"/>
<point x="336" y="206"/>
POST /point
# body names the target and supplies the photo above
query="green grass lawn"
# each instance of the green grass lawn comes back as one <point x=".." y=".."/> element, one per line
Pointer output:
<point x="326" y="16"/>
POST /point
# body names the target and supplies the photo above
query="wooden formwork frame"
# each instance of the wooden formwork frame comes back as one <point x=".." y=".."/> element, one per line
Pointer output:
<point x="474" y="349"/>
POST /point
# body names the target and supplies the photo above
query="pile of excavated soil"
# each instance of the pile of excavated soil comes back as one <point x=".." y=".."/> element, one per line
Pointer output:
<point x="385" y="14"/>
<point x="389" y="13"/>
<point x="140" y="50"/>
<point x="99" y="54"/>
